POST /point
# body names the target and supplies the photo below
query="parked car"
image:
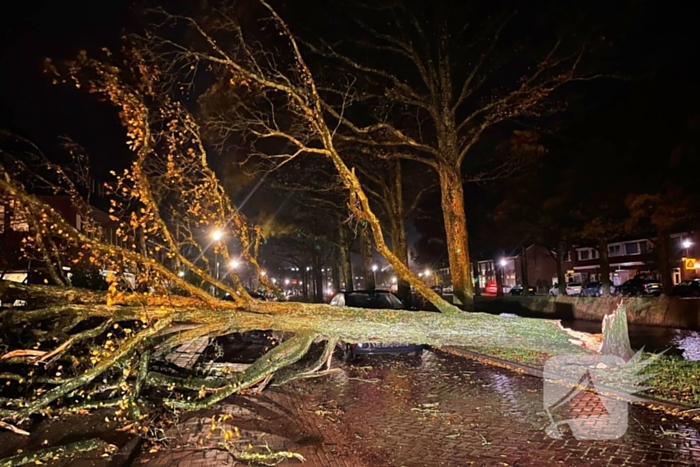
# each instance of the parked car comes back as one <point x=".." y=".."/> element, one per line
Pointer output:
<point x="491" y="288"/>
<point x="573" y="288"/>
<point x="638" y="287"/>
<point x="373" y="299"/>
<point x="437" y="289"/>
<point x="689" y="288"/>
<point x="448" y="289"/>
<point x="595" y="289"/>
<point x="554" y="290"/>
<point x="255" y="295"/>
<point x="518" y="290"/>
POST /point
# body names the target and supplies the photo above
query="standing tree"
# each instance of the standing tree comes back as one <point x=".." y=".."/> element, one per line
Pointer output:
<point x="458" y="70"/>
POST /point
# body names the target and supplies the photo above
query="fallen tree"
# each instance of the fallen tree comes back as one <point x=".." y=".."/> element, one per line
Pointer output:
<point x="72" y="351"/>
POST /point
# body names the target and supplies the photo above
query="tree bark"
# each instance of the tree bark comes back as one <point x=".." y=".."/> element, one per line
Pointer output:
<point x="319" y="282"/>
<point x="366" y="253"/>
<point x="455" y="218"/>
<point x="500" y="272"/>
<point x="664" y="261"/>
<point x="617" y="339"/>
<point x="561" y="267"/>
<point x="399" y="245"/>
<point x="604" y="265"/>
<point x="345" y="259"/>
<point x="523" y="265"/>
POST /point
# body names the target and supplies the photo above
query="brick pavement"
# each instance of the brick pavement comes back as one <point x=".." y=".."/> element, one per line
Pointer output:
<point x="440" y="411"/>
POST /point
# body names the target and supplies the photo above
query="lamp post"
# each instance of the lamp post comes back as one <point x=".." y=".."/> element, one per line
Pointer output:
<point x="374" y="272"/>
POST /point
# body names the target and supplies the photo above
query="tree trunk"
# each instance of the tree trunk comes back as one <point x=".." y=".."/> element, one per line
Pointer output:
<point x="319" y="282"/>
<point x="304" y="283"/>
<point x="617" y="340"/>
<point x="664" y="262"/>
<point x="455" y="218"/>
<point x="335" y="275"/>
<point x="187" y="318"/>
<point x="366" y="253"/>
<point x="346" y="259"/>
<point x="500" y="271"/>
<point x="604" y="265"/>
<point x="523" y="265"/>
<point x="399" y="245"/>
<point x="561" y="267"/>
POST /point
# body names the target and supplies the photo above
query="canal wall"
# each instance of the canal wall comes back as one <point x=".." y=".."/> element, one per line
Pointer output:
<point x="648" y="311"/>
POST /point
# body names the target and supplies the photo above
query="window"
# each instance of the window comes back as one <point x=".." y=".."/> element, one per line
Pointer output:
<point x="595" y="254"/>
<point x="567" y="258"/>
<point x="615" y="250"/>
<point x="584" y="254"/>
<point x="632" y="248"/>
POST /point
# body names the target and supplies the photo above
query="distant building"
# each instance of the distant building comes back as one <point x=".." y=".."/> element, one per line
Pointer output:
<point x="541" y="270"/>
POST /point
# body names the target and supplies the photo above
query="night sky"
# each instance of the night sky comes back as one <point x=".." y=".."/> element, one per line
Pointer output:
<point x="657" y="54"/>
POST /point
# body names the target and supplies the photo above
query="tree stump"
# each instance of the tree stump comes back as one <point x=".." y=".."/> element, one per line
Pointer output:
<point x="616" y="340"/>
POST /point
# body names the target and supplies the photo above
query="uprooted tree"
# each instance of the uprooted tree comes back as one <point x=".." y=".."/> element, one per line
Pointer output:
<point x="73" y="350"/>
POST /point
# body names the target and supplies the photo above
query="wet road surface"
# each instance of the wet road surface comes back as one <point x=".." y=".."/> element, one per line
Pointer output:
<point x="443" y="410"/>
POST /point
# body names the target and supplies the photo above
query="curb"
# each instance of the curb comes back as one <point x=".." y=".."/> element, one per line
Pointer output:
<point x="650" y="402"/>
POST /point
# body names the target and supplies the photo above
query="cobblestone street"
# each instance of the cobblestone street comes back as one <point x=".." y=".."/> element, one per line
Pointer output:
<point x="442" y="410"/>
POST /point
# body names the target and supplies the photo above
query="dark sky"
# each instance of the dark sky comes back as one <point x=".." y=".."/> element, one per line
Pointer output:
<point x="659" y="52"/>
<point x="29" y="104"/>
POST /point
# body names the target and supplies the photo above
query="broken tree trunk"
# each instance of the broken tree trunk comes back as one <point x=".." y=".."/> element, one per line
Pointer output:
<point x="616" y="339"/>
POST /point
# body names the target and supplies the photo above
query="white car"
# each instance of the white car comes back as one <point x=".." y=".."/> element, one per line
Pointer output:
<point x="573" y="288"/>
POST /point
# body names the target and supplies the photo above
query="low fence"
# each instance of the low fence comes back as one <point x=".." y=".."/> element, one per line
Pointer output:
<point x="652" y="311"/>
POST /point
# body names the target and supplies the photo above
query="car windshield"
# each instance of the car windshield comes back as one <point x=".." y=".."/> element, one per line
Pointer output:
<point x="373" y="300"/>
<point x="688" y="283"/>
<point x="573" y="284"/>
<point x="593" y="284"/>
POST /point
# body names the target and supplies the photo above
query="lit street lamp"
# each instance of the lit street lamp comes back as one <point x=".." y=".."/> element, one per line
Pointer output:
<point x="374" y="271"/>
<point x="503" y="262"/>
<point x="217" y="235"/>
<point x="181" y="274"/>
<point x="286" y="282"/>
<point x="234" y="264"/>
<point x="687" y="244"/>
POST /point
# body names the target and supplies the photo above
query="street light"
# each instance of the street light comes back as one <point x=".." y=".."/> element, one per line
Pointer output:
<point x="262" y="273"/>
<point x="286" y="282"/>
<point x="234" y="264"/>
<point x="217" y="235"/>
<point x="374" y="271"/>
<point x="393" y="280"/>
<point x="181" y="274"/>
<point x="503" y="262"/>
<point x="687" y="244"/>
